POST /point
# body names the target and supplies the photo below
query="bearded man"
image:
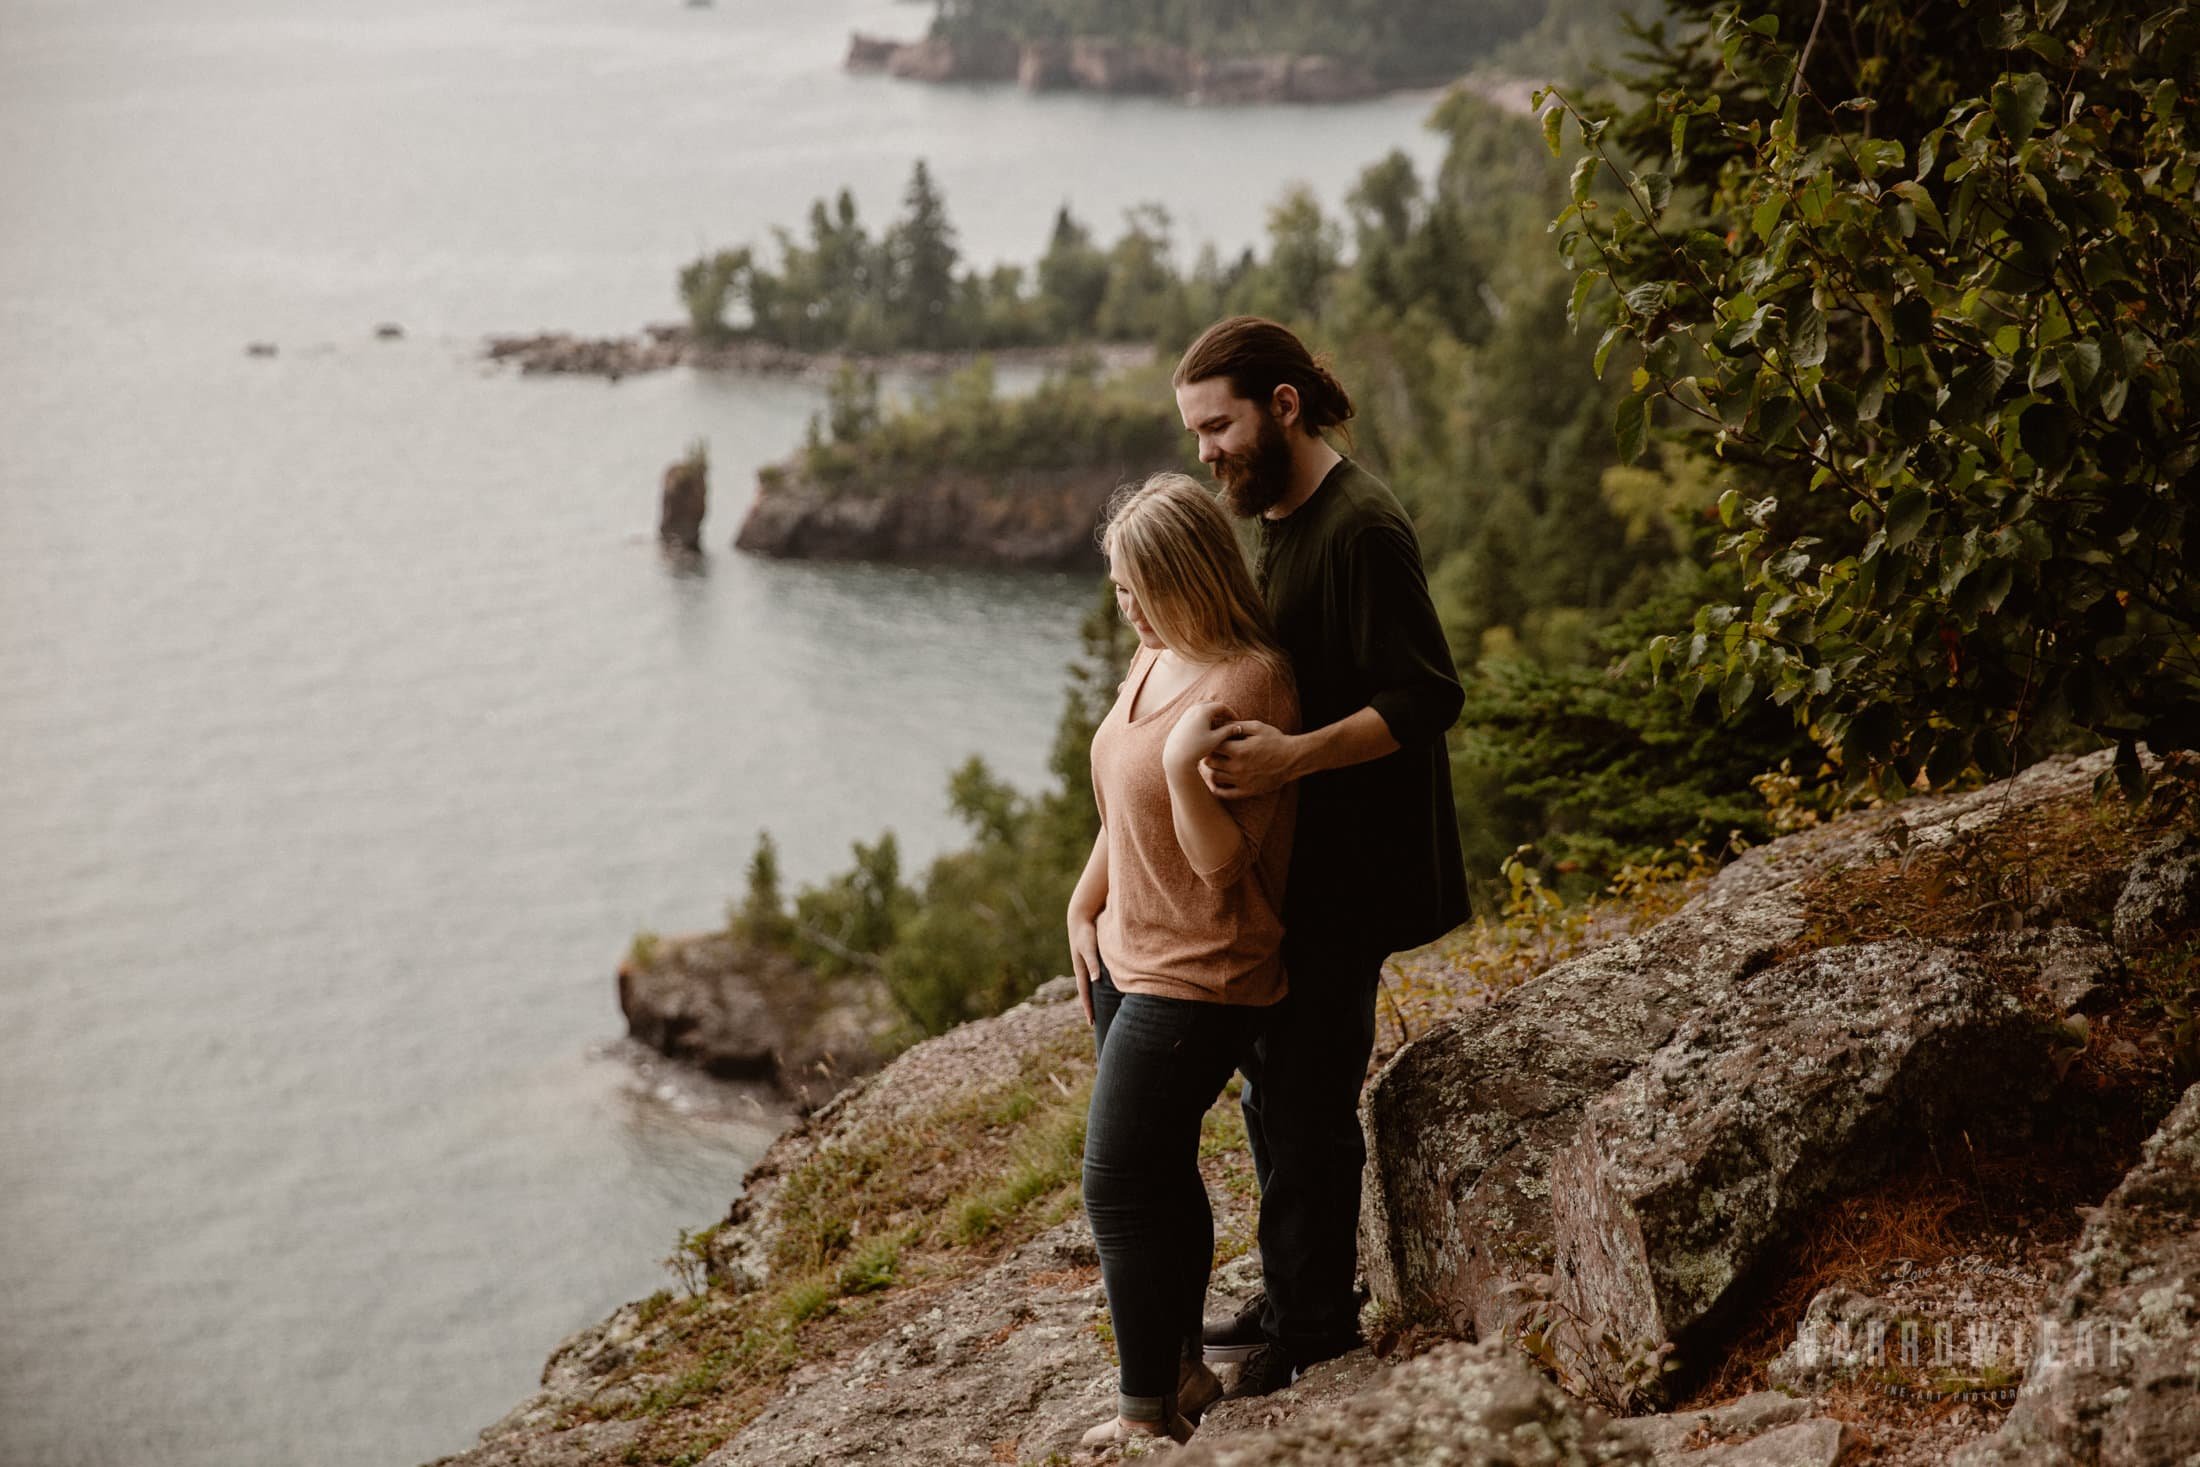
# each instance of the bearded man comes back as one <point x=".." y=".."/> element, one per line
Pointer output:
<point x="1376" y="866"/>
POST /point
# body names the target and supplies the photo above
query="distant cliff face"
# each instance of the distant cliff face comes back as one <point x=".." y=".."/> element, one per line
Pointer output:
<point x="1040" y="518"/>
<point x="1097" y="64"/>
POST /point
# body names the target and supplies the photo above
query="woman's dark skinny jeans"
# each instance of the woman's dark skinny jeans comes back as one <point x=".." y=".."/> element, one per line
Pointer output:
<point x="1162" y="1063"/>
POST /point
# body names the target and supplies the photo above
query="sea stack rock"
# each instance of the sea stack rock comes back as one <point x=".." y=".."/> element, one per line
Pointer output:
<point x="685" y="498"/>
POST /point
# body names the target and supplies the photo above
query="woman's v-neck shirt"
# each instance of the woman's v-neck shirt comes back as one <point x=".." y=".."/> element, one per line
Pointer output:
<point x="1169" y="928"/>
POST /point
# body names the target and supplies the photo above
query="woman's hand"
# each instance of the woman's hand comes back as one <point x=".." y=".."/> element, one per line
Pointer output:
<point x="1084" y="955"/>
<point x="1086" y="903"/>
<point x="1202" y="730"/>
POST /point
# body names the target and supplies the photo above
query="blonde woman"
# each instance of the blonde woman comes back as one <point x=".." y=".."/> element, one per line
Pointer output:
<point x="1174" y="931"/>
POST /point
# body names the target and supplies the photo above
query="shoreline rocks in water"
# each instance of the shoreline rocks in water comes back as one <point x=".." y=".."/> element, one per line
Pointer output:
<point x="739" y="1011"/>
<point x="1125" y="68"/>
<point x="1041" y="519"/>
<point x="663" y="346"/>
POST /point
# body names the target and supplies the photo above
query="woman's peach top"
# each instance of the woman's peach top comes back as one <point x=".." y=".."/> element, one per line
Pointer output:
<point x="1170" y="929"/>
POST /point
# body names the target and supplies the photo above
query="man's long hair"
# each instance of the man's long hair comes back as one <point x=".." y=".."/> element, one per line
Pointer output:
<point x="1258" y="356"/>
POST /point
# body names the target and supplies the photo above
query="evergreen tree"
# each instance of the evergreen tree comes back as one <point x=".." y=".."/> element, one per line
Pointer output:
<point x="921" y="249"/>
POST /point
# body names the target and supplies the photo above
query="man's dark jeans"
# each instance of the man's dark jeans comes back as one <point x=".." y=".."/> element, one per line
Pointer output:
<point x="1162" y="1063"/>
<point x="1302" y="1117"/>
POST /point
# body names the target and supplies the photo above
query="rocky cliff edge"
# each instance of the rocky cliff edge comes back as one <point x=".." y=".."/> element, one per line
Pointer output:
<point x="1841" y="1160"/>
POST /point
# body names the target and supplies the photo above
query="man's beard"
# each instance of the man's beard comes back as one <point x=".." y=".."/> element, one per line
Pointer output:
<point x="1255" y="482"/>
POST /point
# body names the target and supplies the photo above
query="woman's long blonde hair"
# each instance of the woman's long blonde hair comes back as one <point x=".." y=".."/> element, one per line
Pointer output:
<point x="1172" y="545"/>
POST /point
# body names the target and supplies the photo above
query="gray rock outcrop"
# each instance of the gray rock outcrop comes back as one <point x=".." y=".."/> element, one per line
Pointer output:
<point x="1796" y="1087"/>
<point x="2161" y="896"/>
<point x="2115" y="1379"/>
<point x="1464" y="1405"/>
<point x="1462" y="1123"/>
<point x="1011" y="1362"/>
<point x="1465" y="1122"/>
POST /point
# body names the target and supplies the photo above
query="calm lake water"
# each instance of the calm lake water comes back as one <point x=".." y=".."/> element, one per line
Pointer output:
<point x="350" y="724"/>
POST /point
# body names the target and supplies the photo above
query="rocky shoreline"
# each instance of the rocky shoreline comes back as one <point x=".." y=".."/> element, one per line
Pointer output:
<point x="664" y="346"/>
<point x="1635" y="1143"/>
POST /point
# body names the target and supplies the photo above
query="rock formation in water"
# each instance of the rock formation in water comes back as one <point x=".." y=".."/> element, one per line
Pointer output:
<point x="744" y="1011"/>
<point x="682" y="503"/>
<point x="1118" y="68"/>
<point x="1631" y="1141"/>
<point x="1044" y="518"/>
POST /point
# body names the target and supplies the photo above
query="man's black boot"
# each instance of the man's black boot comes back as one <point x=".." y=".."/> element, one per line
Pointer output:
<point x="1232" y="1340"/>
<point x="1265" y="1371"/>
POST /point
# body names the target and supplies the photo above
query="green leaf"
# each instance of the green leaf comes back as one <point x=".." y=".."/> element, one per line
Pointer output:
<point x="1928" y="212"/>
<point x="1913" y="320"/>
<point x="2130" y="774"/>
<point x="1610" y="339"/>
<point x="2045" y="431"/>
<point x="1806" y="337"/>
<point x="1680" y="137"/>
<point x="1585" y="174"/>
<point x="1777" y="416"/>
<point x="2019" y="103"/>
<point x="1729" y="503"/>
<point x="1972" y="392"/>
<point x="1735" y="692"/>
<point x="1951" y="755"/>
<point x="1767" y="215"/>
<point x="1582" y="286"/>
<point x="1631" y="427"/>
<point x="1554" y="117"/>
<point x="1906" y="516"/>
<point x="1658" y="189"/>
<point x="1994" y="585"/>
<point x="1875" y="156"/>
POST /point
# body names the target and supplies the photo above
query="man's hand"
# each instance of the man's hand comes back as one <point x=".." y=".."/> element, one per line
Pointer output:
<point x="1254" y="758"/>
<point x="1198" y="733"/>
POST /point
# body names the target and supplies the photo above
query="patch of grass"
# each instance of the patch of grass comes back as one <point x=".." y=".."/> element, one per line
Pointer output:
<point x="809" y="1298"/>
<point x="655" y="1305"/>
<point x="1050" y="1157"/>
<point x="872" y="1266"/>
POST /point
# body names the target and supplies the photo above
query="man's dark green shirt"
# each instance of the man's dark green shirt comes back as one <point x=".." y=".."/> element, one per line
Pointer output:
<point x="1376" y="858"/>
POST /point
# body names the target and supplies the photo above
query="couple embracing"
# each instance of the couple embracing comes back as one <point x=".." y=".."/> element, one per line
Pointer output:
<point x="1276" y="819"/>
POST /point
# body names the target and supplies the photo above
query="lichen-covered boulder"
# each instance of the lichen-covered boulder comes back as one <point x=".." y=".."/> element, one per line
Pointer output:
<point x="2115" y="1380"/>
<point x="2161" y="896"/>
<point x="1462" y="1122"/>
<point x="1461" y="1405"/>
<point x="1796" y="1088"/>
